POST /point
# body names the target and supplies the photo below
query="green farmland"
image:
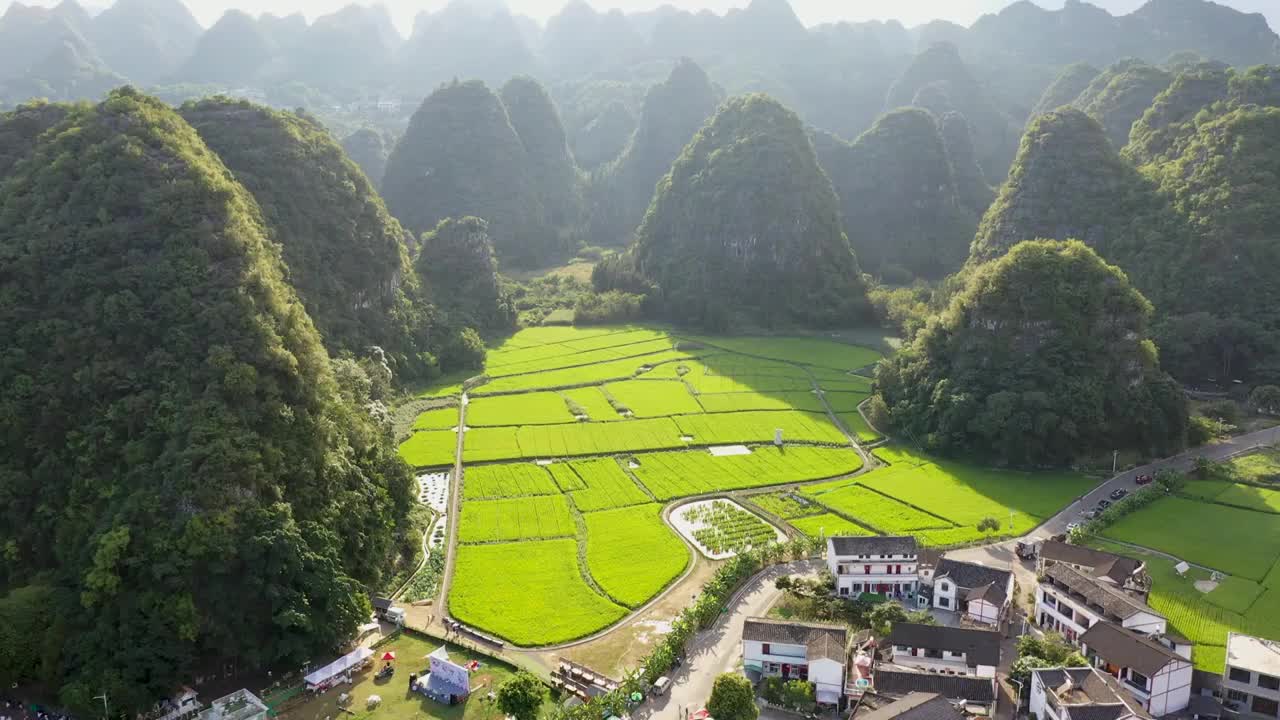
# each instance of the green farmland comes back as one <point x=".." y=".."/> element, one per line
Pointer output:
<point x="632" y="554"/>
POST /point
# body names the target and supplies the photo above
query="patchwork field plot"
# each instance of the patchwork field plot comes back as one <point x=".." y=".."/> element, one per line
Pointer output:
<point x="591" y="402"/>
<point x="529" y="346"/>
<point x="803" y="350"/>
<point x="606" y="486"/>
<point x="582" y="358"/>
<point x="721" y="528"/>
<point x="859" y="427"/>
<point x="879" y="511"/>
<point x="632" y="554"/>
<point x="653" y="398"/>
<point x="1236" y="541"/>
<point x="577" y="376"/>
<point x="430" y="448"/>
<point x="537" y="408"/>
<point x="723" y="373"/>
<point x="845" y="402"/>
<point x="505" y="481"/>
<point x="598" y="438"/>
<point x="531" y="593"/>
<point x="485" y="444"/>
<point x="1250" y="497"/>
<point x="695" y="472"/>
<point x="781" y="400"/>
<point x="758" y="426"/>
<point x="528" y="518"/>
<point x="438" y="419"/>
<point x="786" y="505"/>
<point x="828" y="525"/>
<point x="566" y="479"/>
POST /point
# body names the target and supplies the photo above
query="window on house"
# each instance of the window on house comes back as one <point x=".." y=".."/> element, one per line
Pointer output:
<point x="1237" y="696"/>
<point x="944" y="586"/>
<point x="1265" y="706"/>
<point x="932" y="653"/>
<point x="1138" y="679"/>
<point x="844" y="591"/>
<point x="1242" y="676"/>
<point x="944" y="602"/>
<point x="1066" y="612"/>
<point x="898" y="569"/>
<point x="1268" y="682"/>
<point x="1049" y="600"/>
<point x="866" y="569"/>
<point x="764" y="648"/>
<point x="857" y="587"/>
<point x="840" y="570"/>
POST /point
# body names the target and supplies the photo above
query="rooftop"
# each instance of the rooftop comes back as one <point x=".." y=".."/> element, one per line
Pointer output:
<point x="820" y="640"/>
<point x="1097" y="593"/>
<point x="1088" y="694"/>
<point x="1119" y="646"/>
<point x="916" y="706"/>
<point x="874" y="545"/>
<point x="981" y="647"/>
<point x="953" y="687"/>
<point x="1105" y="565"/>
<point x="972" y="575"/>
<point x="1251" y="653"/>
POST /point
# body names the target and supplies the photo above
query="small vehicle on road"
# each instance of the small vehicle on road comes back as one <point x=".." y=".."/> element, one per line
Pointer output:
<point x="1089" y="514"/>
<point x="1104" y="504"/>
<point x="1145" y="479"/>
<point x="1072" y="526"/>
<point x="1119" y="494"/>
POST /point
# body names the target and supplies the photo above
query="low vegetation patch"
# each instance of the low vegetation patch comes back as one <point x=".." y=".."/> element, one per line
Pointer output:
<point x="632" y="554"/>
<point x="430" y="448"/>
<point x="538" y="408"/>
<point x="723" y="527"/>
<point x="698" y="472"/>
<point x="505" y="481"/>
<point x="828" y="525"/>
<point x="654" y="398"/>
<point x="760" y="427"/>
<point x="786" y="505"/>
<point x="606" y="486"/>
<point x="528" y="518"/>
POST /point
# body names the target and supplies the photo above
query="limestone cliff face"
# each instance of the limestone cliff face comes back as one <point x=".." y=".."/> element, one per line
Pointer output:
<point x="1118" y="96"/>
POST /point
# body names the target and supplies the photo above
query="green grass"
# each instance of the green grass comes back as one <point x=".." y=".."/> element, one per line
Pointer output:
<point x="739" y="401"/>
<point x="541" y="343"/>
<point x="845" y="383"/>
<point x="569" y="358"/>
<point x="1251" y="497"/>
<point x="653" y="398"/>
<point x="720" y="372"/>
<point x="632" y="554"/>
<point x="449" y="385"/>
<point x="539" y="408"/>
<point x="759" y="426"/>
<point x="845" y="402"/>
<point x="530" y="593"/>
<point x="545" y="441"/>
<point x="859" y="427"/>
<point x="593" y="402"/>
<point x="503" y="481"/>
<point x="1261" y="467"/>
<point x="803" y="350"/>
<point x="1238" y="542"/>
<point x="439" y="419"/>
<point x="1204" y="489"/>
<point x="728" y="528"/>
<point x="485" y="444"/>
<point x="787" y="505"/>
<point x="574" y="377"/>
<point x="607" y="486"/>
<point x="566" y="479"/>
<point x="430" y="448"/>
<point x="828" y="525"/>
<point x="967" y="493"/>
<point x="697" y="472"/>
<point x="883" y="513"/>
<point x="526" y="518"/>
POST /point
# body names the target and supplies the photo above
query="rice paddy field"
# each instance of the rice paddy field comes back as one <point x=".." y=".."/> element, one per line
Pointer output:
<point x="574" y="439"/>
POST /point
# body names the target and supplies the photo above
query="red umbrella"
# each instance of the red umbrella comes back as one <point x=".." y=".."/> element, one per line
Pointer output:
<point x="389" y="655"/>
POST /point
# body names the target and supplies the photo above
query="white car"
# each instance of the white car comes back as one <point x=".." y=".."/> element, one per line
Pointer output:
<point x="1072" y="526"/>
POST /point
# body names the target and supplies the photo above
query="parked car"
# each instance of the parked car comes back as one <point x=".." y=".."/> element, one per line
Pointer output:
<point x="1119" y="494"/>
<point x="1104" y="504"/>
<point x="1090" y="514"/>
<point x="1145" y="479"/>
<point x="1072" y="526"/>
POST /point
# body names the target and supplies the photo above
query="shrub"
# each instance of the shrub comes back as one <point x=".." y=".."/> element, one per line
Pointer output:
<point x="1265" y="399"/>
<point x="1224" y="410"/>
<point x="613" y="306"/>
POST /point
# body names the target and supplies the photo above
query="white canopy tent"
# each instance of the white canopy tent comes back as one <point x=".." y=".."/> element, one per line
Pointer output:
<point x="347" y="662"/>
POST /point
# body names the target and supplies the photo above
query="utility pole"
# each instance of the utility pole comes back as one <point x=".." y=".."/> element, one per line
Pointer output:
<point x="1115" y="459"/>
<point x="1017" y="699"/>
<point x="103" y="698"/>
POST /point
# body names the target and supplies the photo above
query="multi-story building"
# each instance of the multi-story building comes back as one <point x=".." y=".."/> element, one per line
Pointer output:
<point x="949" y="650"/>
<point x="1070" y="602"/>
<point x="1251" y="678"/>
<point x="883" y="565"/>
<point x="915" y="706"/>
<point x="1081" y="694"/>
<point x="976" y="695"/>
<point x="1147" y="668"/>
<point x="1117" y="570"/>
<point x="982" y="593"/>
<point x="815" y="652"/>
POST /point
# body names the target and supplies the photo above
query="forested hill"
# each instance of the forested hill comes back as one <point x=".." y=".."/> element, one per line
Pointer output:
<point x="182" y="475"/>
<point x="780" y="255"/>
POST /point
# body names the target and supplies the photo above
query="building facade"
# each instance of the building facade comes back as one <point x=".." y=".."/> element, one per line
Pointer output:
<point x="982" y="593"/>
<point x="1251" y="678"/>
<point x="814" y="652"/>
<point x="1070" y="602"/>
<point x="881" y="565"/>
<point x="947" y="650"/>
<point x="1153" y="673"/>
<point x="1081" y="694"/>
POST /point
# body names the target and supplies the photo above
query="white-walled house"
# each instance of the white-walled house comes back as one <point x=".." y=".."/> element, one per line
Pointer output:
<point x="795" y="650"/>
<point x="883" y="565"/>
<point x="1251" y="679"/>
<point x="948" y="650"/>
<point x="983" y="593"/>
<point x="1152" y="672"/>
<point x="1070" y="602"/>
<point x="1081" y="694"/>
<point x="1118" y="570"/>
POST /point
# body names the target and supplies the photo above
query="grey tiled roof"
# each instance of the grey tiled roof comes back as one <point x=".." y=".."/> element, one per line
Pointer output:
<point x="1118" y="568"/>
<point x="969" y="576"/>
<point x="916" y="706"/>
<point x="875" y="545"/>
<point x="819" y="640"/>
<point x="953" y="687"/>
<point x="981" y="647"/>
<point x="1126" y="648"/>
<point x="1112" y="601"/>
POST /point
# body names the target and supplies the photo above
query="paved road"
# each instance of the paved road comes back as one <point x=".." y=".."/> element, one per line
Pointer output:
<point x="719" y="649"/>
<point x="1058" y="523"/>
<point x="450" y="547"/>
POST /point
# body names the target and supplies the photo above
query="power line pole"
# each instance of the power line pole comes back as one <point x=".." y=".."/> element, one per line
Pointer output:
<point x="103" y="697"/>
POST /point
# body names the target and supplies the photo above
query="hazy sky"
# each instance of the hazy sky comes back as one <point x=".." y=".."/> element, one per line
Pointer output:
<point x="910" y="12"/>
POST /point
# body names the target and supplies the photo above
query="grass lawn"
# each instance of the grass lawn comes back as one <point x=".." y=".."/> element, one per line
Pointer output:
<point x="592" y="402"/>
<point x="696" y="472"/>
<point x="504" y="481"/>
<point x="1262" y="466"/>
<point x="803" y="350"/>
<point x="632" y="554"/>
<point x="759" y="427"/>
<point x="438" y="419"/>
<point x="1251" y="497"/>
<point x="1238" y="542"/>
<point x="828" y="525"/>
<point x="653" y="398"/>
<point x="531" y="593"/>
<point x="544" y="516"/>
<point x="607" y="486"/>
<point x="786" y="505"/>
<point x="397" y="702"/>
<point x="430" y="448"/>
<point x="538" y="408"/>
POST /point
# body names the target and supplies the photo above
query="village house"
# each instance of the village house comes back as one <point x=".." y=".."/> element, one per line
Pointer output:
<point x="1070" y="602"/>
<point x="883" y="565"/>
<point x="1251" y="678"/>
<point x="1155" y="674"/>
<point x="982" y="593"/>
<point x="795" y="650"/>
<point x="976" y="695"/>
<point x="1081" y="694"/>
<point x="915" y="706"/>
<point x="1118" y="570"/>
<point x="949" y="650"/>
